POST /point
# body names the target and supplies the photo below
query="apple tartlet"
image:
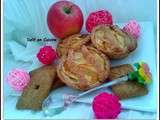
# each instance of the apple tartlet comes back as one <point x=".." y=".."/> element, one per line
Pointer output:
<point x="72" y="42"/>
<point x="84" y="68"/>
<point x="112" y="41"/>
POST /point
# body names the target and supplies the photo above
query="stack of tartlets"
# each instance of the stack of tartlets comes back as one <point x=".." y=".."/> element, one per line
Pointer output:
<point x="84" y="58"/>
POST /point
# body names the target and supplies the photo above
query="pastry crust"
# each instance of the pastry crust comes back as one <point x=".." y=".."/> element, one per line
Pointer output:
<point x="112" y="41"/>
<point x="72" y="42"/>
<point x="83" y="69"/>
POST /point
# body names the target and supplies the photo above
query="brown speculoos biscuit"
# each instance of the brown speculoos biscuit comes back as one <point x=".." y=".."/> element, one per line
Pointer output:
<point x="57" y="83"/>
<point x="129" y="88"/>
<point x="38" y="89"/>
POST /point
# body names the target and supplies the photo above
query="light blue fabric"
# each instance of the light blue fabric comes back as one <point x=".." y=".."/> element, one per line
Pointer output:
<point x="26" y="19"/>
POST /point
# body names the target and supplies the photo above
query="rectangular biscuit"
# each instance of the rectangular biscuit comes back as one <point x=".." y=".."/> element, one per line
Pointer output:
<point x="57" y="83"/>
<point x="120" y="70"/>
<point x="38" y="88"/>
<point x="129" y="88"/>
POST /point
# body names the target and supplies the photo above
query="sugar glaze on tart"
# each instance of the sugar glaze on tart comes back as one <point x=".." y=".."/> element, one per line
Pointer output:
<point x="112" y="41"/>
<point x="72" y="42"/>
<point x="83" y="69"/>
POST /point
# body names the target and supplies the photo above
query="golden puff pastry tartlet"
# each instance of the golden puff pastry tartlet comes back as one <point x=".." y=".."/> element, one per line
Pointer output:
<point x="84" y="68"/>
<point x="72" y="42"/>
<point x="112" y="41"/>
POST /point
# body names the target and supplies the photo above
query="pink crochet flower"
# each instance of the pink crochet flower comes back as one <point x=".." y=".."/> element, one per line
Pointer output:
<point x="47" y="55"/>
<point x="97" y="18"/>
<point x="132" y="28"/>
<point x="18" y="79"/>
<point x="106" y="106"/>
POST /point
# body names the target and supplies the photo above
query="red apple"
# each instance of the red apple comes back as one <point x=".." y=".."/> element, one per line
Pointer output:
<point x="64" y="19"/>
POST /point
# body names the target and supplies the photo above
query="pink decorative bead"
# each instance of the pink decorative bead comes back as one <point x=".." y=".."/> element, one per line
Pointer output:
<point x="18" y="79"/>
<point x="47" y="55"/>
<point x="132" y="28"/>
<point x="106" y="106"/>
<point x="97" y="18"/>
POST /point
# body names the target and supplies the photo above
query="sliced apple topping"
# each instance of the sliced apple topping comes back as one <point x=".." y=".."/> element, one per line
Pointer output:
<point x="112" y="41"/>
<point x="85" y="68"/>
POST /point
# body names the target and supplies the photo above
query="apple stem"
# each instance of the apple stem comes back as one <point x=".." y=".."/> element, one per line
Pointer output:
<point x="67" y="10"/>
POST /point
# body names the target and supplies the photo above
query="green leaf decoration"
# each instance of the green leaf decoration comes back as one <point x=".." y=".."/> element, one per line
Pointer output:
<point x="131" y="75"/>
<point x="136" y="76"/>
<point x="137" y="65"/>
<point x="140" y="79"/>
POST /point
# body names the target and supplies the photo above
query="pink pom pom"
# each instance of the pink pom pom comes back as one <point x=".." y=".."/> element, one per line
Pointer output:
<point x="47" y="55"/>
<point x="97" y="18"/>
<point x="18" y="79"/>
<point x="132" y="28"/>
<point x="106" y="106"/>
